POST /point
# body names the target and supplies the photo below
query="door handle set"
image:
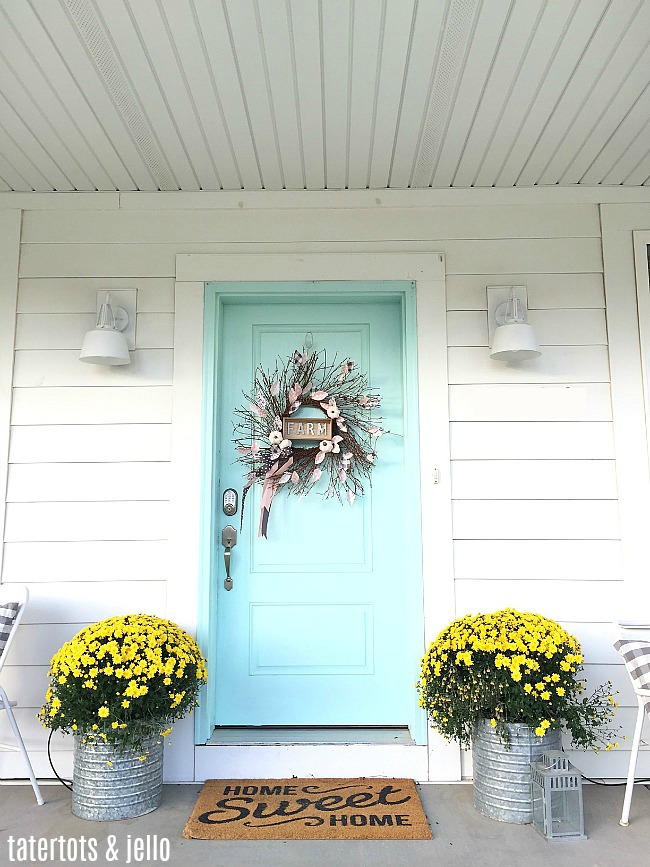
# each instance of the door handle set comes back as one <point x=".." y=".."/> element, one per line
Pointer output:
<point x="228" y="540"/>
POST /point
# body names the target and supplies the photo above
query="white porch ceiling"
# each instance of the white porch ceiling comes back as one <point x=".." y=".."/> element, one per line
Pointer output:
<point x="323" y="94"/>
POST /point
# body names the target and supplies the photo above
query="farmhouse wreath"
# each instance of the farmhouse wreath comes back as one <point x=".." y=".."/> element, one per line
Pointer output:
<point x="280" y="449"/>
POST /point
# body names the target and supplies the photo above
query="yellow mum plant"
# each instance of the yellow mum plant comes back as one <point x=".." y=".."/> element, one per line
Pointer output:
<point x="512" y="667"/>
<point x="123" y="680"/>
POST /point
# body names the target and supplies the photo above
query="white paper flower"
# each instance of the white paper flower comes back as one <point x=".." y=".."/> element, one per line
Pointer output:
<point x="325" y="446"/>
<point x="333" y="412"/>
<point x="275" y="437"/>
<point x="285" y="444"/>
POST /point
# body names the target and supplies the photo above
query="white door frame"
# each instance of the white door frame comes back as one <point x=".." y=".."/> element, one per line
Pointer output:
<point x="440" y="761"/>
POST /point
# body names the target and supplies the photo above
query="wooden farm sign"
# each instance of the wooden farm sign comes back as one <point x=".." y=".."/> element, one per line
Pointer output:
<point x="307" y="428"/>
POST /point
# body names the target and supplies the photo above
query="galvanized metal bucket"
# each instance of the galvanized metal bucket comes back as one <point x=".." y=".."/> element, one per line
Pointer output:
<point x="123" y="789"/>
<point x="502" y="775"/>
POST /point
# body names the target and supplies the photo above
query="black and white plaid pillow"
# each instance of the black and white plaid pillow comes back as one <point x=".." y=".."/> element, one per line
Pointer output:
<point x="636" y="655"/>
<point x="8" y="611"/>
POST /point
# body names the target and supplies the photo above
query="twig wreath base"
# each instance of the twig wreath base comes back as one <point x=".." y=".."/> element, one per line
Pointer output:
<point x="337" y="392"/>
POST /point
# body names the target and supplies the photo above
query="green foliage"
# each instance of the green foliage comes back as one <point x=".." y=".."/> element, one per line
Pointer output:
<point x="511" y="666"/>
<point x="124" y="679"/>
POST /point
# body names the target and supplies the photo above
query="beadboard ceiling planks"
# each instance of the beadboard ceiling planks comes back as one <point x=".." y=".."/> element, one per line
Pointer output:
<point x="147" y="95"/>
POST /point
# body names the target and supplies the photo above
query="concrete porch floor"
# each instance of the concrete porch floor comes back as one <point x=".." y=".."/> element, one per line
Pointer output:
<point x="461" y="836"/>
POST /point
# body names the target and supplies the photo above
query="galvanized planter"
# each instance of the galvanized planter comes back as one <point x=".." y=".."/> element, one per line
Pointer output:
<point x="502" y="777"/>
<point x="123" y="790"/>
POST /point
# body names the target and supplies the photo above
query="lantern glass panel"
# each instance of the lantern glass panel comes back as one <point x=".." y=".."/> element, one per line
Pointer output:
<point x="556" y="791"/>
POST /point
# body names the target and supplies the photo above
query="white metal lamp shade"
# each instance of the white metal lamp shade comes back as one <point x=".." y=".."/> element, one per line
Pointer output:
<point x="514" y="341"/>
<point x="103" y="346"/>
<point x="106" y="344"/>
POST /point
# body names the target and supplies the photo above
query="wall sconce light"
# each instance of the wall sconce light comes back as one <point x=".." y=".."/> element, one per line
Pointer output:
<point x="114" y="333"/>
<point x="511" y="338"/>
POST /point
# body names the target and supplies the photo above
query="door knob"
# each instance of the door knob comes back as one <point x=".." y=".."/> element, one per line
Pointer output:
<point x="228" y="540"/>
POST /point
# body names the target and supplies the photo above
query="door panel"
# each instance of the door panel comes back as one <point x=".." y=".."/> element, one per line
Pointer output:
<point x="323" y="625"/>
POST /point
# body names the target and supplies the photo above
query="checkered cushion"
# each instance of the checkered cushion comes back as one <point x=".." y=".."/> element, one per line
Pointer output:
<point x="8" y="611"/>
<point x="636" y="655"/>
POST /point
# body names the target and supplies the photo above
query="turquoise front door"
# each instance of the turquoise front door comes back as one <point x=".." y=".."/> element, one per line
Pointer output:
<point x="323" y="625"/>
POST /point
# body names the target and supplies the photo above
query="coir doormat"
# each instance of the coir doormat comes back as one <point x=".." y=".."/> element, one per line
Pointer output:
<point x="322" y="809"/>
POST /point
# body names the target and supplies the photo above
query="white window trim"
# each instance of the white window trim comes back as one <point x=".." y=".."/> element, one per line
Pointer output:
<point x="619" y="224"/>
<point x="641" y="247"/>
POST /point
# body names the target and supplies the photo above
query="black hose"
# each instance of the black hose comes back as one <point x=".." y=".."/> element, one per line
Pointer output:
<point x="66" y="783"/>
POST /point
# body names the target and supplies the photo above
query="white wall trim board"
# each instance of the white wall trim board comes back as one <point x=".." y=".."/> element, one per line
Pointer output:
<point x="10" y="224"/>
<point x="618" y="224"/>
<point x="279" y="199"/>
<point x="429" y="273"/>
<point x="641" y="247"/>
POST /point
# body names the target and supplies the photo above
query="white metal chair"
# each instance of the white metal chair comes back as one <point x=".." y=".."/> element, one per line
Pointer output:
<point x="636" y="655"/>
<point x="13" y="598"/>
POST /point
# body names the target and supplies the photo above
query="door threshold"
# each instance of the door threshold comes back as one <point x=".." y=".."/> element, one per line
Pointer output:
<point x="271" y="735"/>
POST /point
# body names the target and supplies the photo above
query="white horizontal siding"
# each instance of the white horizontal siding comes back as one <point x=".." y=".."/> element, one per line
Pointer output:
<point x="472" y="364"/>
<point x="94" y="560"/>
<point x="324" y="224"/>
<point x="534" y="440"/>
<point x="74" y="602"/>
<point x="61" y="405"/>
<point x="89" y="478"/>
<point x="70" y="522"/>
<point x="530" y="402"/>
<point x="534" y="519"/>
<point x="30" y="682"/>
<point x="539" y="559"/>
<point x="533" y="461"/>
<point x="114" y="443"/>
<point x="529" y="255"/>
<point x="77" y="295"/>
<point x="572" y="327"/>
<point x="38" y="368"/>
<point x="559" y="599"/>
<point x="541" y="480"/>
<point x="67" y="330"/>
<point x="33" y="483"/>
<point x="548" y="290"/>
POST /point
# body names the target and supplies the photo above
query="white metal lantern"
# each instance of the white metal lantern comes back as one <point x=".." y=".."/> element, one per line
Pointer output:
<point x="514" y="339"/>
<point x="106" y="344"/>
<point x="556" y="792"/>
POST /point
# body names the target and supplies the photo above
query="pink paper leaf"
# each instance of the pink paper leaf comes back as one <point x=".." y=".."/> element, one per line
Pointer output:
<point x="315" y="476"/>
<point x="294" y="393"/>
<point x="342" y="475"/>
<point x="255" y="408"/>
<point x="295" y="478"/>
<point x="255" y="447"/>
<point x="337" y="439"/>
<point x="244" y="450"/>
<point x="351" y="497"/>
<point x="319" y="457"/>
<point x="319" y="395"/>
<point x="275" y="389"/>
